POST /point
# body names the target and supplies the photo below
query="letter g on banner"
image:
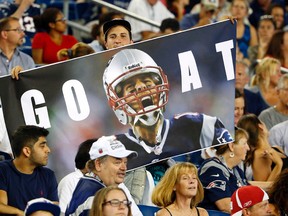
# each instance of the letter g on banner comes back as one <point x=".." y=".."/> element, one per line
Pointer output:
<point x="37" y="116"/>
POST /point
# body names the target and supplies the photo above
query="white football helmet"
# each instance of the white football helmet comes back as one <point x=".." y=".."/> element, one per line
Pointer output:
<point x="150" y="100"/>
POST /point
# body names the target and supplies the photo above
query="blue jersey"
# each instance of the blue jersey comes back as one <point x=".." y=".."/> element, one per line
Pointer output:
<point x="26" y="21"/>
<point x="21" y="188"/>
<point x="182" y="134"/>
<point x="83" y="196"/>
<point x="218" y="181"/>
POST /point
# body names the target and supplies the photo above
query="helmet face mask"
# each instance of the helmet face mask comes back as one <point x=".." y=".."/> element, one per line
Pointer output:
<point x="131" y="103"/>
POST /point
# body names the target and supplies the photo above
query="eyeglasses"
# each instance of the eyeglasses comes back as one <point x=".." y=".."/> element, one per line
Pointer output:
<point x="63" y="19"/>
<point x="117" y="203"/>
<point x="19" y="30"/>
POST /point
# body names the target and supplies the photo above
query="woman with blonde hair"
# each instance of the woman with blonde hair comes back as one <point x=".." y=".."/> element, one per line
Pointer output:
<point x="263" y="85"/>
<point x="179" y="191"/>
<point x="110" y="201"/>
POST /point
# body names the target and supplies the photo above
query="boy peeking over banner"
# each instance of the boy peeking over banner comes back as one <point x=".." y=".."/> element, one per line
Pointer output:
<point x="137" y="90"/>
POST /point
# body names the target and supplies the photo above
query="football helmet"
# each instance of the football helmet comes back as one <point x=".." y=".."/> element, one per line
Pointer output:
<point x="150" y="99"/>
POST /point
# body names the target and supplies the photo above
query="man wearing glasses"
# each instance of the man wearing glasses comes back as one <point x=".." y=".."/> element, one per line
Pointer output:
<point x="12" y="59"/>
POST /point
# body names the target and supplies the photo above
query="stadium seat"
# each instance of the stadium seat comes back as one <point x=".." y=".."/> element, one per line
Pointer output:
<point x="217" y="213"/>
<point x="148" y="210"/>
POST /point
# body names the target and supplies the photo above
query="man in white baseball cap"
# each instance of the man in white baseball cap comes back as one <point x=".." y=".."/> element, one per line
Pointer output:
<point x="107" y="166"/>
<point x="250" y="201"/>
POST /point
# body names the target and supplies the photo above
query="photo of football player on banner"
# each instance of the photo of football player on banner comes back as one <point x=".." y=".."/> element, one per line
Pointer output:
<point x="163" y="97"/>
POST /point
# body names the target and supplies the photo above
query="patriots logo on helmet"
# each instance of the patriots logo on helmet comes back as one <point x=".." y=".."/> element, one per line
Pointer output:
<point x="217" y="184"/>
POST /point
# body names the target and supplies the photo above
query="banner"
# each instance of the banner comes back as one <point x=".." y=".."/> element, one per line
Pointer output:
<point x="69" y="100"/>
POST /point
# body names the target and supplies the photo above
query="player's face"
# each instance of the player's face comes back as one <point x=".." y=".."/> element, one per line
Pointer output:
<point x="117" y="36"/>
<point x="141" y="86"/>
<point x="187" y="185"/>
<point x="239" y="109"/>
<point x="110" y="209"/>
<point x="15" y="34"/>
<point x="113" y="170"/>
<point x="40" y="152"/>
<point x="260" y="209"/>
<point x="241" y="148"/>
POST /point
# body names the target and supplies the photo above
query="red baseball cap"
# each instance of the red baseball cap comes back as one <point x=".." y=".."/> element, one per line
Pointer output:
<point x="246" y="197"/>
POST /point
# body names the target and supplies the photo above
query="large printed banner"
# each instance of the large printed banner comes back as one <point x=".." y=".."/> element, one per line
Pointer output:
<point x="69" y="100"/>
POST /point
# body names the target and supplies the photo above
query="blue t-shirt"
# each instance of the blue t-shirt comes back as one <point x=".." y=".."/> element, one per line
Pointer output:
<point x="21" y="188"/>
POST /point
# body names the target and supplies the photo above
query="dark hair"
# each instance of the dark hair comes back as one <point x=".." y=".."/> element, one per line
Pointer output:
<point x="82" y="155"/>
<point x="250" y="122"/>
<point x="276" y="5"/>
<point x="48" y="16"/>
<point x="274" y="47"/>
<point x="278" y="193"/>
<point x="5" y="22"/>
<point x="109" y="16"/>
<point x="95" y="31"/>
<point x="26" y="136"/>
<point x="238" y="94"/>
<point x="170" y="23"/>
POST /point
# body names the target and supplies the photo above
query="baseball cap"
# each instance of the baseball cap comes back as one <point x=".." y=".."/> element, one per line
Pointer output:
<point x="41" y="204"/>
<point x="210" y="4"/>
<point x="109" y="145"/>
<point x="116" y="22"/>
<point x="246" y="197"/>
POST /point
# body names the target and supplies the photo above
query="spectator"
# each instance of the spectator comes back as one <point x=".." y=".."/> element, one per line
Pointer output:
<point x="260" y="8"/>
<point x="177" y="7"/>
<point x="278" y="193"/>
<point x="239" y="106"/>
<point x="241" y="76"/>
<point x="278" y="113"/>
<point x="169" y="25"/>
<point x="223" y="10"/>
<point x="278" y="136"/>
<point x="117" y="33"/>
<point x="250" y="200"/>
<point x="25" y="178"/>
<point x="263" y="84"/>
<point x="221" y="175"/>
<point x="179" y="191"/>
<point x="265" y="31"/>
<point x="24" y="10"/>
<point x="98" y="44"/>
<point x="107" y="166"/>
<point x="111" y="200"/>
<point x="68" y="184"/>
<point x="150" y="9"/>
<point x="77" y="50"/>
<point x="277" y="11"/>
<point x="204" y="17"/>
<point x="41" y="207"/>
<point x="46" y="44"/>
<point x="278" y="47"/>
<point x="13" y="60"/>
<point x="266" y="162"/>
<point x="246" y="33"/>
